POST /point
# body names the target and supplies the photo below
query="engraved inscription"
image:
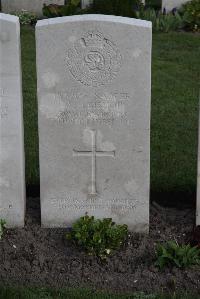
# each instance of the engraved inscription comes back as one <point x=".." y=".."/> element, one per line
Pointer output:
<point x="73" y="203"/>
<point x="102" y="108"/>
<point x="93" y="154"/>
<point x="94" y="60"/>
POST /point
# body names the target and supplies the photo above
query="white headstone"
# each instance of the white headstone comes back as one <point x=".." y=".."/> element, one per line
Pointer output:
<point x="94" y="91"/>
<point x="12" y="181"/>
<point x="169" y="5"/>
<point x="34" y="6"/>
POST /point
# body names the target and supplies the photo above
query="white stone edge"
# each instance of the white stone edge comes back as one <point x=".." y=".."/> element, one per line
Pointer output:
<point x="8" y="17"/>
<point x="95" y="17"/>
<point x="15" y="20"/>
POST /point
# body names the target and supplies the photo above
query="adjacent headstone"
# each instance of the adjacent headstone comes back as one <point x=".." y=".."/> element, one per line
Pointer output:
<point x="169" y="5"/>
<point x="12" y="181"/>
<point x="34" y="6"/>
<point x="94" y="91"/>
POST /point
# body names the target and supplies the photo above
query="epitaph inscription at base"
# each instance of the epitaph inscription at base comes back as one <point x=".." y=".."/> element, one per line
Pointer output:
<point x="94" y="91"/>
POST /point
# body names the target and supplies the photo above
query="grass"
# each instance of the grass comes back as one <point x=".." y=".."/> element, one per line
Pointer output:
<point x="175" y="89"/>
<point x="174" y="131"/>
<point x="30" y="293"/>
<point x="30" y="105"/>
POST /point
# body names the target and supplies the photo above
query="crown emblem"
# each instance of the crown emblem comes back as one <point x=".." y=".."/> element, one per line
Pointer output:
<point x="93" y="39"/>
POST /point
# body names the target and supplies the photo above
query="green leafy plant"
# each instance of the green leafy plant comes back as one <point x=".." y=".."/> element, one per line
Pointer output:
<point x="2" y="227"/>
<point x="191" y="15"/>
<point x="97" y="237"/>
<point x="161" y="22"/>
<point x="125" y="8"/>
<point x="173" y="254"/>
<point x="54" y="10"/>
<point x="26" y="18"/>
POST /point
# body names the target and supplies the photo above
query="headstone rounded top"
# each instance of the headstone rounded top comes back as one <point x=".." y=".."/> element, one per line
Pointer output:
<point x="95" y="17"/>
<point x="10" y="18"/>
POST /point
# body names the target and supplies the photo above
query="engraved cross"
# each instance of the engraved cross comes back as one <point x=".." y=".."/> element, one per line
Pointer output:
<point x="93" y="154"/>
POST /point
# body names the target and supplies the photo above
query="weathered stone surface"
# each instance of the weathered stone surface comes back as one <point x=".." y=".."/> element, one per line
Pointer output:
<point x="12" y="182"/>
<point x="94" y="91"/>
<point x="168" y="5"/>
<point x="35" y="6"/>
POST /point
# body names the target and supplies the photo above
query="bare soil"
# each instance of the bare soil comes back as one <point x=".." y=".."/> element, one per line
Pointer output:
<point x="34" y="256"/>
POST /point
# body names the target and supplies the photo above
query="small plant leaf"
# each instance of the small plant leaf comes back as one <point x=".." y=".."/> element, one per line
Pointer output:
<point x="177" y="255"/>
<point x="97" y="237"/>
